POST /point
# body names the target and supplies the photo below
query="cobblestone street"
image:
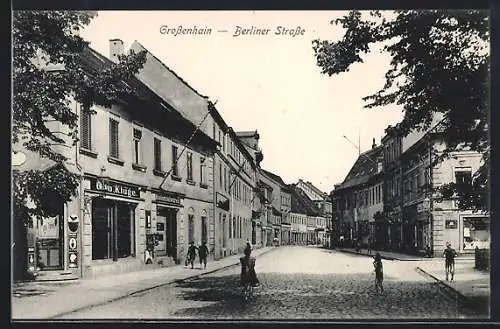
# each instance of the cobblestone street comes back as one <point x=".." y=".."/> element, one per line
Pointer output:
<point x="296" y="283"/>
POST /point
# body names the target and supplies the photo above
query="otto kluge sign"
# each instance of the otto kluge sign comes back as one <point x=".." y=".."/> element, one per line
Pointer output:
<point x="114" y="188"/>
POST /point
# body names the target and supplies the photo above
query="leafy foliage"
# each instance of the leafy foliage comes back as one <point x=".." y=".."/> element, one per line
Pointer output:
<point x="439" y="64"/>
<point x="48" y="72"/>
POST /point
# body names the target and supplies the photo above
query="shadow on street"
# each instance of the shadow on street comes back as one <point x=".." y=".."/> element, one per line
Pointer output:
<point x="319" y="296"/>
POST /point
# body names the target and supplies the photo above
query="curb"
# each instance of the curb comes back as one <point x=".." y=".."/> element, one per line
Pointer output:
<point x="114" y="299"/>
<point x="448" y="288"/>
<point x="384" y="257"/>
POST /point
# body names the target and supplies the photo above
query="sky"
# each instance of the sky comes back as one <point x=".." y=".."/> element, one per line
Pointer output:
<point x="269" y="83"/>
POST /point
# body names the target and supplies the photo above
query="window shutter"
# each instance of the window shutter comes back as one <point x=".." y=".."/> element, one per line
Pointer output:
<point x="113" y="138"/>
<point x="85" y="141"/>
<point x="157" y="151"/>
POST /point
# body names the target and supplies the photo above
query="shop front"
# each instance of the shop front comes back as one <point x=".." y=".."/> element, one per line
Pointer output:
<point x="222" y="217"/>
<point x="110" y="227"/>
<point x="286" y="234"/>
<point x="164" y="229"/>
<point x="49" y="232"/>
<point x="475" y="233"/>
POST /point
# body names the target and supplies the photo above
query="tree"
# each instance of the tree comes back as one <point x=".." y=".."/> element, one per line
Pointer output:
<point x="41" y="39"/>
<point x="439" y="64"/>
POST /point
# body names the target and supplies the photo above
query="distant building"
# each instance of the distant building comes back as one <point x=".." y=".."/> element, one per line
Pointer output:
<point x="360" y="197"/>
<point x="324" y="203"/>
<point x="305" y="217"/>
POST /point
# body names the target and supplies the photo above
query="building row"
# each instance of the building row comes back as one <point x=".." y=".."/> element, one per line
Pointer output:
<point x="158" y="170"/>
<point x="389" y="197"/>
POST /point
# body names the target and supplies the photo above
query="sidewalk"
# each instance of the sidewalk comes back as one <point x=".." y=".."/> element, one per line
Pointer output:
<point x="390" y="255"/>
<point x="469" y="285"/>
<point x="45" y="300"/>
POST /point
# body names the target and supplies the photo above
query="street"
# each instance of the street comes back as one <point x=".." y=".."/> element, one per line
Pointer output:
<point x="296" y="283"/>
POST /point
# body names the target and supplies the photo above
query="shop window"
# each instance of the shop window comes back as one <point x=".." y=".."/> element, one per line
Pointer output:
<point x="113" y="233"/>
<point x="157" y="154"/>
<point x="113" y="139"/>
<point x="85" y="129"/>
<point x="476" y="233"/>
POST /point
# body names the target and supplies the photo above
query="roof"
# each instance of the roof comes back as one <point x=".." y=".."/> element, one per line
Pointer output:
<point x="363" y="169"/>
<point x="241" y="147"/>
<point x="301" y="203"/>
<point x="247" y="133"/>
<point x="314" y="188"/>
<point x="217" y="117"/>
<point x="273" y="177"/>
<point x="169" y="69"/>
<point x="177" y="124"/>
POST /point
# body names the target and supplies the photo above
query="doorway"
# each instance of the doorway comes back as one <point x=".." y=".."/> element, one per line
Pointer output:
<point x="49" y="233"/>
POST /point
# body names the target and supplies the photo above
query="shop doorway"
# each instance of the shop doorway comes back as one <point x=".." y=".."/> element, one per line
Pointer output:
<point x="49" y="233"/>
<point x="166" y="229"/>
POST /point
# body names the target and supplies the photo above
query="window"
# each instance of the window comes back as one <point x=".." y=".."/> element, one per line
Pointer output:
<point x="157" y="153"/>
<point x="214" y="131"/>
<point x="463" y="179"/>
<point x="113" y="234"/>
<point x="191" y="228"/>
<point x="225" y="179"/>
<point x="220" y="174"/>
<point x="202" y="170"/>
<point x="175" y="169"/>
<point x="204" y="227"/>
<point x="113" y="138"/>
<point x="137" y="146"/>
<point x="85" y="129"/>
<point x="190" y="166"/>
<point x="224" y="143"/>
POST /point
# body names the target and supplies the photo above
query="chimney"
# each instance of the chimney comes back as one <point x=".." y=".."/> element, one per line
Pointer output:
<point x="374" y="145"/>
<point x="115" y="49"/>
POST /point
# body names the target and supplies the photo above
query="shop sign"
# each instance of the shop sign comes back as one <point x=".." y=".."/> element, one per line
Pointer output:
<point x="222" y="202"/>
<point x="450" y="224"/>
<point x="72" y="243"/>
<point x="115" y="188"/>
<point x="168" y="199"/>
<point x="73" y="259"/>
<point x="424" y="206"/>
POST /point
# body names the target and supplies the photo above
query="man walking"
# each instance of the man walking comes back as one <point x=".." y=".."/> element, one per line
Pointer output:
<point x="191" y="254"/>
<point x="449" y="253"/>
<point x="203" y="253"/>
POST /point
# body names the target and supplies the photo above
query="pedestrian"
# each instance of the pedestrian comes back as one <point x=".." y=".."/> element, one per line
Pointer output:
<point x="379" y="272"/>
<point x="202" y="254"/>
<point x="248" y="274"/>
<point x="191" y="254"/>
<point x="247" y="247"/>
<point x="369" y="245"/>
<point x="449" y="253"/>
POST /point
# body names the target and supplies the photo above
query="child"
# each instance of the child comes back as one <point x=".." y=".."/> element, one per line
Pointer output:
<point x="449" y="253"/>
<point x="379" y="272"/>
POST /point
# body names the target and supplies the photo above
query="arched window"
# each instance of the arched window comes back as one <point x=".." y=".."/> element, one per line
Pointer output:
<point x="204" y="228"/>
<point x="191" y="225"/>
